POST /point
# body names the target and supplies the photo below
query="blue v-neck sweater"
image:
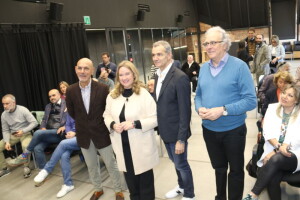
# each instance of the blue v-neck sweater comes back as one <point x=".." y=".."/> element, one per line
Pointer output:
<point x="233" y="88"/>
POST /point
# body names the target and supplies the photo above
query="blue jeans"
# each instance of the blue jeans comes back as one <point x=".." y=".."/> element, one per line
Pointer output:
<point x="183" y="170"/>
<point x="63" y="152"/>
<point x="40" y="141"/>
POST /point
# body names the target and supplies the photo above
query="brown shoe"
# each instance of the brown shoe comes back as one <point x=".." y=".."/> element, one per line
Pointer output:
<point x="119" y="196"/>
<point x="96" y="195"/>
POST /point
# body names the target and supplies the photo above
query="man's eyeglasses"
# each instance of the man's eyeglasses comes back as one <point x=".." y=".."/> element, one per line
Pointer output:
<point x="212" y="43"/>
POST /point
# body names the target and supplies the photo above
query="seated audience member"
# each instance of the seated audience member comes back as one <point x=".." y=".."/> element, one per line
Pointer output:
<point x="150" y="85"/>
<point x="277" y="52"/>
<point x="17" y="122"/>
<point x="282" y="147"/>
<point x="297" y="76"/>
<point x="268" y="81"/>
<point x="63" y="89"/>
<point x="51" y="128"/>
<point x="105" y="80"/>
<point x="62" y="152"/>
<point x="191" y="68"/>
<point x="106" y="64"/>
<point x="273" y="95"/>
<point x="130" y="115"/>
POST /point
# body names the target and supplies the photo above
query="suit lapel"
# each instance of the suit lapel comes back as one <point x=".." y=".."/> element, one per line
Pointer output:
<point x="81" y="104"/>
<point x="167" y="80"/>
<point x="155" y="85"/>
<point x="93" y="95"/>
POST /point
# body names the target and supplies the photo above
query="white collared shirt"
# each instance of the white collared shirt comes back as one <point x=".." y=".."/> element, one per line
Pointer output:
<point x="59" y="101"/>
<point x="161" y="77"/>
<point x="86" y="95"/>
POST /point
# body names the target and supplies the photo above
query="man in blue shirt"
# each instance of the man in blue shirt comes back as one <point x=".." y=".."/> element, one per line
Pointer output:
<point x="225" y="92"/>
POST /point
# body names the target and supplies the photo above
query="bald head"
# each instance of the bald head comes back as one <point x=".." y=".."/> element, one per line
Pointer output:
<point x="54" y="95"/>
<point x="150" y="85"/>
<point x="85" y="61"/>
<point x="84" y="70"/>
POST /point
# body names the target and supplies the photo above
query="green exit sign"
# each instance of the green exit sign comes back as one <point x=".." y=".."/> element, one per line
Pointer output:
<point x="87" y="20"/>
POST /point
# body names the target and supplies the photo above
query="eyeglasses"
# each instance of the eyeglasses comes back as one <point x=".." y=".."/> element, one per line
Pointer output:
<point x="212" y="43"/>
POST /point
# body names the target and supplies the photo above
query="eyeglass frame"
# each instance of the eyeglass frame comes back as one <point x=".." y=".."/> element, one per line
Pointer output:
<point x="212" y="43"/>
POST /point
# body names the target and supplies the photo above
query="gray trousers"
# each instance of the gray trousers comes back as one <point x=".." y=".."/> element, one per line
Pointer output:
<point x="92" y="162"/>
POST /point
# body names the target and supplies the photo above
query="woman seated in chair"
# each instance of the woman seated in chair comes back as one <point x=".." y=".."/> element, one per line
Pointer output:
<point x="280" y="79"/>
<point x="282" y="147"/>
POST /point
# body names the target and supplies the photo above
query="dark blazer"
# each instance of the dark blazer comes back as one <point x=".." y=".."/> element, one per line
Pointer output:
<point x="189" y="70"/>
<point x="271" y="97"/>
<point x="89" y="126"/>
<point x="174" y="106"/>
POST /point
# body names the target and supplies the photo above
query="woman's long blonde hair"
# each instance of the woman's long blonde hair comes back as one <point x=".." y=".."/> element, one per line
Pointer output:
<point x="295" y="112"/>
<point x="136" y="85"/>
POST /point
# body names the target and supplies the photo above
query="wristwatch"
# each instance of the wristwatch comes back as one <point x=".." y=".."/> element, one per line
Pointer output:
<point x="276" y="147"/>
<point x="181" y="142"/>
<point x="225" y="113"/>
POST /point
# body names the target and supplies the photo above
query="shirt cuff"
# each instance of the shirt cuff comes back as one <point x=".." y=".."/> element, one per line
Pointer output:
<point x="112" y="124"/>
<point x="138" y="124"/>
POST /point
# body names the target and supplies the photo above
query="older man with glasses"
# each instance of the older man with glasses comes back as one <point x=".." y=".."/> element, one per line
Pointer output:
<point x="224" y="94"/>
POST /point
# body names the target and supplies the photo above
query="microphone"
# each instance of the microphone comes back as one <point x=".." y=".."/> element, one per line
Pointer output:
<point x="127" y="99"/>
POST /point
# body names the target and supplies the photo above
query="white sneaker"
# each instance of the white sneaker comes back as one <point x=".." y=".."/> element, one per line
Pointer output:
<point x="186" y="198"/>
<point x="42" y="175"/>
<point x="64" y="190"/>
<point x="174" y="192"/>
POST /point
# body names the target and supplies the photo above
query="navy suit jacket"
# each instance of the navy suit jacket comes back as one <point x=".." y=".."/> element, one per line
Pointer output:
<point x="174" y="106"/>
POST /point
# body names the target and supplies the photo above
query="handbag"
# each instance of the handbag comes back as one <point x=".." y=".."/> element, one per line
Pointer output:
<point x="257" y="151"/>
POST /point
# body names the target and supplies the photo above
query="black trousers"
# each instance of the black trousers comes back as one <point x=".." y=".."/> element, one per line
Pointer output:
<point x="194" y="81"/>
<point x="141" y="187"/>
<point x="227" y="148"/>
<point x="270" y="175"/>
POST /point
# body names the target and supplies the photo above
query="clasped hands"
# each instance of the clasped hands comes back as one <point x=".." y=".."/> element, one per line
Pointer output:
<point x="210" y="113"/>
<point x="123" y="126"/>
<point x="283" y="149"/>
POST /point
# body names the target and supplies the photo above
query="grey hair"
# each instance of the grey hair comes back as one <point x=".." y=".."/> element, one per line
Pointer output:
<point x="12" y="97"/>
<point x="225" y="37"/>
<point x="165" y="44"/>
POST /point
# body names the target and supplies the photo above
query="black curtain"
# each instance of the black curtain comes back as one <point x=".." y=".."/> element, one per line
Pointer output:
<point x="35" y="58"/>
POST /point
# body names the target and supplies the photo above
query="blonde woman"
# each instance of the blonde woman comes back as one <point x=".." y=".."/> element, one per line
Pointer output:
<point x="277" y="53"/>
<point x="63" y="89"/>
<point x="282" y="147"/>
<point x="130" y="115"/>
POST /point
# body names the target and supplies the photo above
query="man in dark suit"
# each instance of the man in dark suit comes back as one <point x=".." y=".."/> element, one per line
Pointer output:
<point x="191" y="68"/>
<point x="172" y="93"/>
<point x="86" y="102"/>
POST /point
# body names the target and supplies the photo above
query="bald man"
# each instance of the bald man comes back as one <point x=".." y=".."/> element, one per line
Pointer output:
<point x="86" y="102"/>
<point x="52" y="125"/>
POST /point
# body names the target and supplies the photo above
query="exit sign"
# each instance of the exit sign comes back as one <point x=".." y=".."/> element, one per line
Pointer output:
<point x="87" y="20"/>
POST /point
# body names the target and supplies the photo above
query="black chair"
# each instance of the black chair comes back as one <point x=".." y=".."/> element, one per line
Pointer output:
<point x="288" y="49"/>
<point x="297" y="46"/>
